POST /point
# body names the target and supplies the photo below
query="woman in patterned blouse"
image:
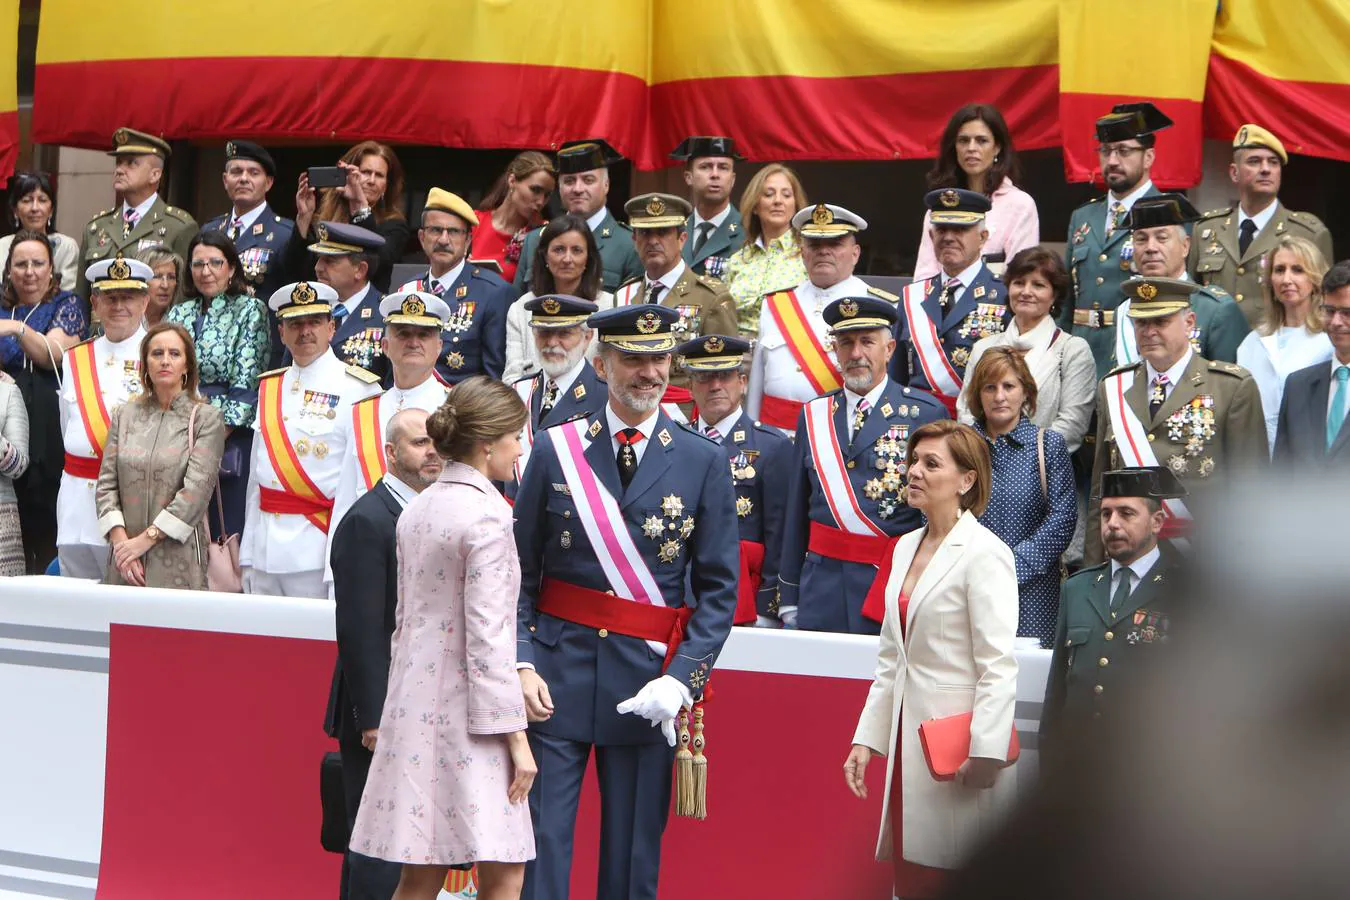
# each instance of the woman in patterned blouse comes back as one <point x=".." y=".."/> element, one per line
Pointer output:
<point x="1032" y="506"/>
<point x="771" y="257"/>
<point x="229" y="328"/>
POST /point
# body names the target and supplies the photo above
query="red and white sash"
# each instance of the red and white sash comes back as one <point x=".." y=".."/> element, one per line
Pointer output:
<point x="1132" y="439"/>
<point x="525" y="390"/>
<point x="843" y="503"/>
<point x="624" y="568"/>
<point x="923" y="335"/>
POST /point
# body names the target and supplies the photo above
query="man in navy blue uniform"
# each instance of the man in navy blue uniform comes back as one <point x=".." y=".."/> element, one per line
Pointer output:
<point x="473" y="341"/>
<point x="846" y="500"/>
<point x="942" y="318"/>
<point x="760" y="459"/>
<point x="566" y="387"/>
<point x="626" y="529"/>
<point x="260" y="235"/>
<point x="345" y="255"/>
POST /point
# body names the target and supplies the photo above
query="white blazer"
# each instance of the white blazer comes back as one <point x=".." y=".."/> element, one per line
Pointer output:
<point x="957" y="656"/>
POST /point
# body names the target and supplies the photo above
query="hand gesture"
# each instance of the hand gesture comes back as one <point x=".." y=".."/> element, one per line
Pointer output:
<point x="522" y="761"/>
<point x="538" y="702"/>
<point x="855" y="770"/>
<point x="305" y="204"/>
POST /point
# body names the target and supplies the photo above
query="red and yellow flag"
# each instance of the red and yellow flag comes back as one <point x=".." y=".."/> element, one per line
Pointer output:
<point x="9" y="86"/>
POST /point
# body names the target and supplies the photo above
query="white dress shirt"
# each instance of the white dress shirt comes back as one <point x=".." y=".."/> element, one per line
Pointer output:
<point x="851" y="402"/>
<point x="1127" y="201"/>
<point x="402" y="493"/>
<point x="447" y="281"/>
<point x="716" y="220"/>
<point x="594" y="219"/>
<point x="723" y="427"/>
<point x="246" y="220"/>
<point x="1173" y="374"/>
<point x="141" y="209"/>
<point x="965" y="277"/>
<point x="1262" y="219"/>
<point x="353" y="303"/>
<point x="1137" y="569"/>
<point x="667" y="281"/>
<point x="645" y="428"/>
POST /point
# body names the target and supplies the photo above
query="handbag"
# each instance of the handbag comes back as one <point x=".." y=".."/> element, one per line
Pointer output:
<point x="222" y="553"/>
<point x="946" y="745"/>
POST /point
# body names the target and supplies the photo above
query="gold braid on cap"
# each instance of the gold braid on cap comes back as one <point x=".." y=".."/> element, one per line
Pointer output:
<point x="656" y="206"/>
<point x="304" y="294"/>
<point x="714" y="344"/>
<point x="821" y="215"/>
<point x="412" y="306"/>
<point x="648" y="323"/>
<point x="1147" y="291"/>
<point x="119" y="269"/>
<point x="848" y="308"/>
<point x="550" y="306"/>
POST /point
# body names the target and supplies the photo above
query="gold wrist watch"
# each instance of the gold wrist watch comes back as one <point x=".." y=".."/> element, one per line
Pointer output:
<point x="153" y="533"/>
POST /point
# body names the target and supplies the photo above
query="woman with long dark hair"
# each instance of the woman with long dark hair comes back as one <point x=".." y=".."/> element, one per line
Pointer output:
<point x="32" y="207"/>
<point x="977" y="154"/>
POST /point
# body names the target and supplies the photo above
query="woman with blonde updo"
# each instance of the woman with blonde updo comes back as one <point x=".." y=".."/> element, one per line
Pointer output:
<point x="453" y="690"/>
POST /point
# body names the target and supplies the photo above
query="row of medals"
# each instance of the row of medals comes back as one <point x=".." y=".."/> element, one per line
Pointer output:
<point x="313" y="407"/>
<point x="888" y="489"/>
<point x="743" y="469"/>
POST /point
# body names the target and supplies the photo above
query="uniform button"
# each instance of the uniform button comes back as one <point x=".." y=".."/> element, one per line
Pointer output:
<point x="852" y="463"/>
<point x="604" y="632"/>
<point x="1100" y="280"/>
<point x="1098" y="689"/>
<point x="1237" y="297"/>
<point x="1102" y="258"/>
<point x="285" y="418"/>
<point x="799" y="368"/>
<point x="532" y="629"/>
<point x="1110" y="635"/>
<point x="611" y="593"/>
<point x="1242" y="270"/>
<point x="567" y="514"/>
<point x="1152" y="437"/>
<point x="1103" y="662"/>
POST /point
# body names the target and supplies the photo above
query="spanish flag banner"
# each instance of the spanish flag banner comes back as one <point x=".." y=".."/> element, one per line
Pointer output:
<point x="1286" y="67"/>
<point x="1110" y="54"/>
<point x="9" y="86"/>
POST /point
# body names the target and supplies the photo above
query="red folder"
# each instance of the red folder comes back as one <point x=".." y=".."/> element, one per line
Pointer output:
<point x="946" y="745"/>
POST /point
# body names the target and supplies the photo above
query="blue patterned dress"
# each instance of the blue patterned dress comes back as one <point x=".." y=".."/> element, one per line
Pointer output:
<point x="1037" y="525"/>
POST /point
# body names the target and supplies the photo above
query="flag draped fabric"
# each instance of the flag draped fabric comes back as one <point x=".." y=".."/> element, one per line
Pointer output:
<point x="9" y="87"/>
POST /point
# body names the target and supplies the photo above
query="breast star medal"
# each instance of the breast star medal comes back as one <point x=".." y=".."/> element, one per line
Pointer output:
<point x="743" y="507"/>
<point x="672" y="506"/>
<point x="669" y="551"/>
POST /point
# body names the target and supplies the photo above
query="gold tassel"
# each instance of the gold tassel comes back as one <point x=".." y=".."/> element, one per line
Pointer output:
<point x="700" y="766"/>
<point x="684" y="769"/>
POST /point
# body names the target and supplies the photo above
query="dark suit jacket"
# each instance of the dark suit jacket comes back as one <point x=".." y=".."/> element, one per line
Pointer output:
<point x="1301" y="435"/>
<point x="365" y="582"/>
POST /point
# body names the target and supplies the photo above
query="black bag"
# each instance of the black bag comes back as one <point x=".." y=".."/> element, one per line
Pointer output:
<point x="334" y="835"/>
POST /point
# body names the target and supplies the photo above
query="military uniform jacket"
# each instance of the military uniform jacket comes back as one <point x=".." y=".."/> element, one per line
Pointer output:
<point x="119" y="380"/>
<point x="584" y="397"/>
<point x="316" y="401"/>
<point x="761" y="460"/>
<point x="104" y="236"/>
<point x="1219" y="329"/>
<point x="1215" y="260"/>
<point x="618" y="255"/>
<point x="875" y="464"/>
<point x="1211" y="429"/>
<point x="712" y="257"/>
<point x="704" y="303"/>
<point x="1099" y="652"/>
<point x="357" y="340"/>
<point x="473" y="339"/>
<point x="680" y="512"/>
<point x="262" y="249"/>
<point x="980" y="311"/>
<point x="1097" y="265"/>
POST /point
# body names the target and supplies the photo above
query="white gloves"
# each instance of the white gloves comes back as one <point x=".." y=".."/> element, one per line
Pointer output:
<point x="788" y="614"/>
<point x="767" y="622"/>
<point x="659" y="702"/>
<point x="246" y="579"/>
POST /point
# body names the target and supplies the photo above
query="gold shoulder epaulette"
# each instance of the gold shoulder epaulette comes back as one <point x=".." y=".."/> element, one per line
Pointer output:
<point x="1126" y="367"/>
<point x="363" y="375"/>
<point x="1214" y="213"/>
<point x="884" y="295"/>
<point x="1229" y="369"/>
<point x="275" y="372"/>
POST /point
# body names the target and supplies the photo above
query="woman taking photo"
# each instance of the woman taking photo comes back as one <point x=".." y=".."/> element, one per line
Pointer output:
<point x="39" y="322"/>
<point x="159" y="469"/>
<point x="1291" y="335"/>
<point x="164" y="284"/>
<point x="32" y="207"/>
<point x="771" y="257"/>
<point x="13" y="463"/>
<point x="566" y="261"/>
<point x="976" y="153"/>
<point x="371" y="198"/>
<point x="1032" y="506"/>
<point x="946" y="649"/>
<point x="229" y="330"/>
<point x="453" y="691"/>
<point x="1060" y="363"/>
<point x="513" y="207"/>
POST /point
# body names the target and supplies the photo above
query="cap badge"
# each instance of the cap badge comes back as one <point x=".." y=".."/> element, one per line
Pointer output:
<point x="848" y="308"/>
<point x="322" y="231"/>
<point x="1242" y="135"/>
<point x="412" y="306"/>
<point x="656" y="206"/>
<point x="119" y="268"/>
<point x="229" y="150"/>
<point x="304" y="294"/>
<point x="550" y="306"/>
<point x="949" y="198"/>
<point x="120" y="136"/>
<point x="1147" y="292"/>
<point x="648" y="323"/>
<point x="821" y="215"/>
<point x="714" y="344"/>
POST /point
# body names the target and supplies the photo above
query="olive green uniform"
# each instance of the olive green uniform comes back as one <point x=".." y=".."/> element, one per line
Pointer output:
<point x="106" y="235"/>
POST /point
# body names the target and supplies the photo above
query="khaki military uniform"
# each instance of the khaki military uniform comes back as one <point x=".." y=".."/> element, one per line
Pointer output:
<point x="1215" y="260"/>
<point x="704" y="303"/>
<point x="106" y="235"/>
<point x="1209" y="430"/>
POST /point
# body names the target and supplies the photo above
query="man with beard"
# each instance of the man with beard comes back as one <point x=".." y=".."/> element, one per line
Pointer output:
<point x="793" y="360"/>
<point x="1232" y="242"/>
<point x="1158" y="233"/>
<point x="365" y="588"/>
<point x="942" y="318"/>
<point x="715" y="225"/>
<point x="412" y="339"/>
<point x="297" y="448"/>
<point x="474" y="339"/>
<point x="846" y="494"/>
<point x="1099" y="252"/>
<point x="760" y="459"/>
<point x="626" y="529"/>
<point x="583" y="185"/>
<point x="1112" y="616"/>
<point x="567" y="388"/>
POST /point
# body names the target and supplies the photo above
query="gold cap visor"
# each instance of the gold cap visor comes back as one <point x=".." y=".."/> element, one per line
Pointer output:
<point x="834" y="229"/>
<point x="956" y="218"/>
<point x="657" y="222"/>
<point x="308" y="309"/>
<point x="714" y="363"/>
<point x="1154" y="309"/>
<point x="121" y="284"/>
<point x="641" y="343"/>
<point x="332" y="248"/>
<point x="861" y="323"/>
<point x="558" y="321"/>
<point x="407" y="319"/>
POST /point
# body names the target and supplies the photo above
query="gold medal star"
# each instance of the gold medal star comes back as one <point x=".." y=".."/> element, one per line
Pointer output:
<point x="672" y="506"/>
<point x="687" y="527"/>
<point x="652" y="527"/>
<point x="670" y="550"/>
<point x="743" y="506"/>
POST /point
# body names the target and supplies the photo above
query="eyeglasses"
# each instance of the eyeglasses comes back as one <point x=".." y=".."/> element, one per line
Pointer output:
<point x="1123" y="152"/>
<point x="436" y="231"/>
<point x="166" y="277"/>
<point x="1331" y="313"/>
<point x="199" y="265"/>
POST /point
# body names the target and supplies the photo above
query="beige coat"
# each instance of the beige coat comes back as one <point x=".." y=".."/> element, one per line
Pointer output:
<point x="957" y="657"/>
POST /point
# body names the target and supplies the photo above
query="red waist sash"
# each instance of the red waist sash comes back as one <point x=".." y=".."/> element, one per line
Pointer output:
<point x="83" y="466"/>
<point x="599" y="609"/>
<point x="275" y="501"/>
<point x="780" y="413"/>
<point x="752" y="569"/>
<point x="846" y="546"/>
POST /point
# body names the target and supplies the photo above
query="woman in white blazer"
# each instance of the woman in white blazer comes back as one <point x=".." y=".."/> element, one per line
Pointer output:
<point x="947" y="642"/>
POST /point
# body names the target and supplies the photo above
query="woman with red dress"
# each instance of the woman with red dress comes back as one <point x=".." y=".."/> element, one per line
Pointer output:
<point x="513" y="206"/>
<point x="946" y="649"/>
